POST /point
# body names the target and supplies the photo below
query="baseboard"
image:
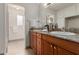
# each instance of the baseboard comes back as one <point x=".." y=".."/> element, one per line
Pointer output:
<point x="15" y="40"/>
<point x="27" y="47"/>
<point x="1" y="53"/>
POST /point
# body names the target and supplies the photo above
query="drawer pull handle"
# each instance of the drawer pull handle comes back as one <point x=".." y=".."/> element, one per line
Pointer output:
<point x="51" y="46"/>
<point x="54" y="47"/>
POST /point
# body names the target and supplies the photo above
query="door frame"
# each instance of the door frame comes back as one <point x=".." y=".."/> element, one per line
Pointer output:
<point x="7" y="27"/>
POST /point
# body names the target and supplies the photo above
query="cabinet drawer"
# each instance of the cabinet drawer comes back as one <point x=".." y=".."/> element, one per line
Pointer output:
<point x="33" y="33"/>
<point x="38" y="35"/>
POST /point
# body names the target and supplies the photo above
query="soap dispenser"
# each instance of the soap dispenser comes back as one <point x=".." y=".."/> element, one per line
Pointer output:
<point x="56" y="26"/>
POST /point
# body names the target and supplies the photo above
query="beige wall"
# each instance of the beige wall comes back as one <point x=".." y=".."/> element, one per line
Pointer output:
<point x="66" y="12"/>
<point x="2" y="28"/>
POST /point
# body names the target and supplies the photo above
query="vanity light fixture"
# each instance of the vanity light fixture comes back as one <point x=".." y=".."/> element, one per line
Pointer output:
<point x="47" y="4"/>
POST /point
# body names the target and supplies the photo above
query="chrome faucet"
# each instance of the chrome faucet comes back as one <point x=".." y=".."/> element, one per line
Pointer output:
<point x="47" y="26"/>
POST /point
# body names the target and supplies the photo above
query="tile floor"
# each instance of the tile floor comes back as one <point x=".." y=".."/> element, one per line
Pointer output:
<point x="17" y="48"/>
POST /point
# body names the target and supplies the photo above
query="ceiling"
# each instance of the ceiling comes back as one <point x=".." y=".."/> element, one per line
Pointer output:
<point x="58" y="6"/>
<point x="53" y="6"/>
<point x="13" y="6"/>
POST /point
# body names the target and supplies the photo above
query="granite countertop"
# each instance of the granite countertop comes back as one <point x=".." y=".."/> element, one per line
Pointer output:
<point x="74" y="38"/>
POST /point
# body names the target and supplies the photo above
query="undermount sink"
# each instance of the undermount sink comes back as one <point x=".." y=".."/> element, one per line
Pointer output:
<point x="62" y="33"/>
<point x="44" y="30"/>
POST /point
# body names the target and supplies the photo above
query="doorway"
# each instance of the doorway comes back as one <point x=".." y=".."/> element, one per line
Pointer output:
<point x="16" y="42"/>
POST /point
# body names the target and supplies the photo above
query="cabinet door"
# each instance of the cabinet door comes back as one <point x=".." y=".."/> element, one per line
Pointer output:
<point x="47" y="48"/>
<point x="50" y="49"/>
<point x="34" y="44"/>
<point x="31" y="40"/>
<point x="63" y="52"/>
<point x="55" y="50"/>
<point x="39" y="46"/>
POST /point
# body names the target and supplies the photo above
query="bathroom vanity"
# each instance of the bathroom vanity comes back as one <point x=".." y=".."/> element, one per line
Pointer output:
<point x="45" y="43"/>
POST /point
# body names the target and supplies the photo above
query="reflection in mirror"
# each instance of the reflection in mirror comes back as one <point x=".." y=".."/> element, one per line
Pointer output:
<point x="50" y="19"/>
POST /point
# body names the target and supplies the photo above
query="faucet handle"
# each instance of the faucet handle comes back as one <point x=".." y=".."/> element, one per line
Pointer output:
<point x="62" y="29"/>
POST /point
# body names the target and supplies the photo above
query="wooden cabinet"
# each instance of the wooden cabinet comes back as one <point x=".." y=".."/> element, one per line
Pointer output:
<point x="43" y="44"/>
<point x="39" y="47"/>
<point x="31" y="40"/>
<point x="47" y="48"/>
<point x="51" y="49"/>
<point x="55" y="50"/>
<point x="39" y="44"/>
<point x="34" y="42"/>
<point x="63" y="52"/>
<point x="35" y="45"/>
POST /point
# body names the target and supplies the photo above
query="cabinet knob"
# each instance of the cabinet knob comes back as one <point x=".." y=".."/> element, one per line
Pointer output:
<point x="54" y="47"/>
<point x="51" y="46"/>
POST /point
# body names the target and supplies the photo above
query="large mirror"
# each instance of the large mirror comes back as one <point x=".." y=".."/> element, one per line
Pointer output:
<point x="50" y="19"/>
